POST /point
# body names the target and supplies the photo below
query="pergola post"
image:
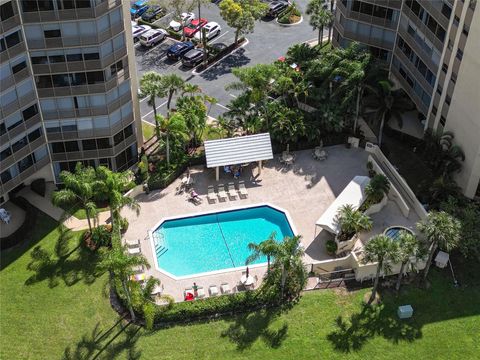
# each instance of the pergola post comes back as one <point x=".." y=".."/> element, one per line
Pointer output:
<point x="259" y="167"/>
<point x="217" y="173"/>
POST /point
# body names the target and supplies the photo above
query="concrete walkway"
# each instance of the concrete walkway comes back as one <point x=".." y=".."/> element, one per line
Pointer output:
<point x="44" y="204"/>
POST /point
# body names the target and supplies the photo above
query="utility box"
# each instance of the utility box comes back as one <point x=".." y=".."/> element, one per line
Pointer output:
<point x="441" y="260"/>
<point x="405" y="311"/>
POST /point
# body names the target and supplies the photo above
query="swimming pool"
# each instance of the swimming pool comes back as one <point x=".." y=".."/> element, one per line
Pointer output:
<point x="215" y="241"/>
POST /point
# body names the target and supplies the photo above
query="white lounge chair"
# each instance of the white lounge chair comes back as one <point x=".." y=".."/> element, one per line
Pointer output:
<point x="211" y="194"/>
<point x="200" y="292"/>
<point x="221" y="192"/>
<point x="138" y="269"/>
<point x="213" y="290"/>
<point x="242" y="190"/>
<point x="232" y="193"/>
<point x="225" y="288"/>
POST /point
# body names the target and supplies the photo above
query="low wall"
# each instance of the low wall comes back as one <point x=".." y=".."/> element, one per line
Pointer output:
<point x="137" y="190"/>
<point x="393" y="194"/>
<point x="325" y="266"/>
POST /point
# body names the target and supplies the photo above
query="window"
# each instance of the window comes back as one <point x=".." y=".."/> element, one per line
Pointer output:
<point x="19" y="144"/>
<point x="446" y="10"/>
<point x="52" y="34"/>
<point x="450" y="44"/>
<point x="5" y="153"/>
<point x="13" y="121"/>
<point x="60" y="80"/>
<point x="445" y="68"/>
<point x="443" y="120"/>
<point x="456" y="20"/>
<point x="74" y="57"/>
<point x="12" y="39"/>
<point x="95" y="77"/>
<point x="19" y="67"/>
<point x="434" y="110"/>
<point x="34" y="135"/>
<point x="3" y="129"/>
<point x="91" y="56"/>
<point x="71" y="146"/>
<point x="43" y="81"/>
<point x="128" y="131"/>
<point x="57" y="147"/>
<point x="5" y="176"/>
<point x="103" y="143"/>
<point x="466" y="29"/>
<point x="459" y="54"/>
<point x="29" y="112"/>
<point x="57" y="58"/>
<point x="448" y="99"/>
<point x="6" y="11"/>
<point x="89" y="144"/>
<point x="118" y="138"/>
<point x="439" y="90"/>
<point x="39" y="60"/>
<point x="25" y="163"/>
<point x="37" y="5"/>
<point x="453" y="77"/>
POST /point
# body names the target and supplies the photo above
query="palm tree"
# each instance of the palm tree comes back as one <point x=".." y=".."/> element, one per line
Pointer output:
<point x="120" y="265"/>
<point x="266" y="248"/>
<point x="443" y="155"/>
<point x="352" y="221"/>
<point x="319" y="18"/>
<point x="385" y="104"/>
<point x="190" y="89"/>
<point x="377" y="188"/>
<point x="79" y="189"/>
<point x="114" y="185"/>
<point x="382" y="250"/>
<point x="151" y="86"/>
<point x="172" y="127"/>
<point x="288" y="256"/>
<point x="408" y="246"/>
<point x="172" y="83"/>
<point x="441" y="231"/>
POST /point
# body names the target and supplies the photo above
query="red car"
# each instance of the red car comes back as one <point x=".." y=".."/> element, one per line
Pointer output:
<point x="194" y="26"/>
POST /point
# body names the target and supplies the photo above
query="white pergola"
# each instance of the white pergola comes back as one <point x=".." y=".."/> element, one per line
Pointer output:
<point x="238" y="150"/>
<point x="353" y="194"/>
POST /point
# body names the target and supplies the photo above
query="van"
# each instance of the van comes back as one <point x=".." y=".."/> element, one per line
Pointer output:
<point x="152" y="37"/>
<point x="192" y="58"/>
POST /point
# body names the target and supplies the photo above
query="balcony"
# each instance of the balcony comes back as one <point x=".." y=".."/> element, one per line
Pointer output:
<point x="357" y="16"/>
<point x="13" y="51"/>
<point x="17" y="104"/>
<point x="408" y="89"/>
<point x="352" y="35"/>
<point x="434" y="9"/>
<point x="423" y="28"/>
<point x="10" y="23"/>
<point x="426" y="57"/>
<point x="78" y="90"/>
<point x="413" y="70"/>
<point x="14" y="79"/>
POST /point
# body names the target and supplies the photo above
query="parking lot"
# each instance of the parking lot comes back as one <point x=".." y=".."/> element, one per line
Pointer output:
<point x="267" y="43"/>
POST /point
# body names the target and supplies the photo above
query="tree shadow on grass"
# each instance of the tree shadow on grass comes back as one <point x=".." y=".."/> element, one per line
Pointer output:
<point x="68" y="263"/>
<point x="353" y="333"/>
<point x="106" y="344"/>
<point x="248" y="328"/>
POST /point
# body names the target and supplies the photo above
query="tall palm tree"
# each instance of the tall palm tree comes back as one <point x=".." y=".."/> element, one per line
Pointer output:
<point x="408" y="246"/>
<point x="320" y="17"/>
<point x="382" y="250"/>
<point x="114" y="185"/>
<point x="172" y="83"/>
<point x="385" y="104"/>
<point x="151" y="87"/>
<point x="288" y="256"/>
<point x="172" y="127"/>
<point x="79" y="189"/>
<point x="352" y="221"/>
<point x="441" y="231"/>
<point x="266" y="248"/>
<point x="190" y="89"/>
<point x="440" y="151"/>
<point x="120" y="265"/>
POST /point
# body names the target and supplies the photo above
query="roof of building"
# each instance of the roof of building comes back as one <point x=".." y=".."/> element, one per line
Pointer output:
<point x="238" y="150"/>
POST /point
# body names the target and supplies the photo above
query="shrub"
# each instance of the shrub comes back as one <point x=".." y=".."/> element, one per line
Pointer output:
<point x="371" y="172"/>
<point x="331" y="247"/>
<point x="101" y="236"/>
<point x="377" y="188"/>
<point x="38" y="186"/>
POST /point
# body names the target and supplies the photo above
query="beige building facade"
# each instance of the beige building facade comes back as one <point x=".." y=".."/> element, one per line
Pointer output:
<point x="432" y="48"/>
<point x="67" y="89"/>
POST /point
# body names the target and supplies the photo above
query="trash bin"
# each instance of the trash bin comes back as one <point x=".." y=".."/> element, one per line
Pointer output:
<point x="405" y="311"/>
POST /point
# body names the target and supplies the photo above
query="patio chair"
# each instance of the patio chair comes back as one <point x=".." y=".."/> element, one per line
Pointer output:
<point x="213" y="290"/>
<point x="138" y="269"/>
<point x="133" y="247"/>
<point x="225" y="288"/>
<point x="242" y="190"/>
<point x="186" y="295"/>
<point x="200" y="292"/>
<point x="221" y="192"/>
<point x="232" y="193"/>
<point x="211" y="194"/>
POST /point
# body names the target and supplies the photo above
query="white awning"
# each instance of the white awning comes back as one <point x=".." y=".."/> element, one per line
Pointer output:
<point x="353" y="194"/>
<point x="238" y="150"/>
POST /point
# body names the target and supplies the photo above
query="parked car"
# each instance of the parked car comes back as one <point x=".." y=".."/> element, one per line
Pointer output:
<point x="176" y="51"/>
<point x="152" y="37"/>
<point x="138" y="8"/>
<point x="194" y="26"/>
<point x="185" y="18"/>
<point x="193" y="57"/>
<point x="138" y="30"/>
<point x="153" y="13"/>
<point x="276" y="7"/>
<point x="211" y="29"/>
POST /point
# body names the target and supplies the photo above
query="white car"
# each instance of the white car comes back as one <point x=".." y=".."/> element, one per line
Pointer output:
<point x="186" y="18"/>
<point x="139" y="30"/>
<point x="152" y="37"/>
<point x="211" y="29"/>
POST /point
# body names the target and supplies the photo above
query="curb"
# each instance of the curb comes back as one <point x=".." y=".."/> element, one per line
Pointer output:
<point x="288" y="25"/>
<point x="194" y="72"/>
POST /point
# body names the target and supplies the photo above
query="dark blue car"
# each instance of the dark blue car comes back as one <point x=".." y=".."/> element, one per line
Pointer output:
<point x="177" y="50"/>
<point x="139" y="8"/>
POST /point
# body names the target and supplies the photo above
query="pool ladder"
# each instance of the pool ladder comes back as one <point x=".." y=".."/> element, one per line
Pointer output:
<point x="160" y="246"/>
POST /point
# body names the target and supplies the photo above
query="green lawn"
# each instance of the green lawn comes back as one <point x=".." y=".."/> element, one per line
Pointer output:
<point x="54" y="305"/>
<point x="148" y="130"/>
<point x="81" y="213"/>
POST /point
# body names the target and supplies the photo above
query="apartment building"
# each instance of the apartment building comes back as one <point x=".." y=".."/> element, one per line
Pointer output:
<point x="432" y="48"/>
<point x="66" y="90"/>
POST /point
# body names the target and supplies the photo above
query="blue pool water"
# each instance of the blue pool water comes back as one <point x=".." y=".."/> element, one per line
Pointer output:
<point x="217" y="241"/>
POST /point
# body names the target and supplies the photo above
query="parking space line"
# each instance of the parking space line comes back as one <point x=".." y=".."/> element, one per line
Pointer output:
<point x="222" y="106"/>
<point x="225" y="33"/>
<point x="158" y="107"/>
<point x="234" y="96"/>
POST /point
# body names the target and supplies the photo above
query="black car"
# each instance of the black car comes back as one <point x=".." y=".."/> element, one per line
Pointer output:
<point x="153" y="13"/>
<point x="276" y="7"/>
<point x="176" y="51"/>
<point x="193" y="57"/>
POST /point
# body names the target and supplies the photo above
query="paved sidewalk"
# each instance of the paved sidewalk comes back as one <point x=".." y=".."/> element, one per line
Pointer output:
<point x="44" y="204"/>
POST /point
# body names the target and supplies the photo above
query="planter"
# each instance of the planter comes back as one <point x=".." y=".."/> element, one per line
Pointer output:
<point x="299" y="21"/>
<point x="375" y="208"/>
<point x="347" y="245"/>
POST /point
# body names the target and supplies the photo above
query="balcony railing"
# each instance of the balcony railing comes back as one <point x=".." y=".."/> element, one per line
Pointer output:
<point x="353" y="15"/>
<point x="10" y="23"/>
<point x="13" y="51"/>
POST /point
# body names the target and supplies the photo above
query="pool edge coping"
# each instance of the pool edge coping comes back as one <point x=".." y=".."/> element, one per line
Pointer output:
<point x="215" y="272"/>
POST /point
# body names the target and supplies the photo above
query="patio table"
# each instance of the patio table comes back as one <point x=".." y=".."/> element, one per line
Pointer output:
<point x="247" y="280"/>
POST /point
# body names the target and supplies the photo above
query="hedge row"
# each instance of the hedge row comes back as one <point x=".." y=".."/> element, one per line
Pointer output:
<point x="29" y="223"/>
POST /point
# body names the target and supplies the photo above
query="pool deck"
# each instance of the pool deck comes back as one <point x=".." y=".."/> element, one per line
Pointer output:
<point x="304" y="189"/>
